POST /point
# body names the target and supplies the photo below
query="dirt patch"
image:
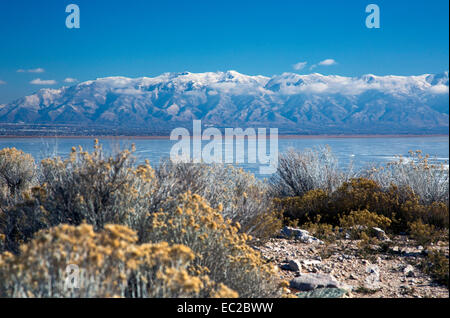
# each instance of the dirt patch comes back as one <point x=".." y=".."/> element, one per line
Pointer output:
<point x="391" y="271"/>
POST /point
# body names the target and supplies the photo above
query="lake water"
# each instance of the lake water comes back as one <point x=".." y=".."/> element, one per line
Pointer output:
<point x="360" y="151"/>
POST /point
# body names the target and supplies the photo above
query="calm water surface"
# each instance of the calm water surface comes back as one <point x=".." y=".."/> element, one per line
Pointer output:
<point x="360" y="151"/>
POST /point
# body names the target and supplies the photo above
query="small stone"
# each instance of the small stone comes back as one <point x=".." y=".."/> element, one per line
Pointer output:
<point x="380" y="234"/>
<point x="408" y="271"/>
<point x="309" y="262"/>
<point x="294" y="265"/>
<point x="302" y="235"/>
<point x="373" y="269"/>
<point x="306" y="282"/>
<point x="324" y="293"/>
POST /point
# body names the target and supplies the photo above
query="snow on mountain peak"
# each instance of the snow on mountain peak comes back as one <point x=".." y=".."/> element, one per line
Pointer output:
<point x="287" y="83"/>
<point x="288" y="100"/>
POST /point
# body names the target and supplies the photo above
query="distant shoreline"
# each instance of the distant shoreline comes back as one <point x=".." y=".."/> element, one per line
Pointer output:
<point x="167" y="137"/>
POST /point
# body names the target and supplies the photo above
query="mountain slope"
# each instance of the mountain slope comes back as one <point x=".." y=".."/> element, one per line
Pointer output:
<point x="294" y="103"/>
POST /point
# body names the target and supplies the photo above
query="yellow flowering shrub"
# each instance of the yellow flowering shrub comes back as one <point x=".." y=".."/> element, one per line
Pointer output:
<point x="322" y="231"/>
<point x="362" y="221"/>
<point x="101" y="188"/>
<point x="436" y="265"/>
<point x="241" y="197"/>
<point x="424" y="234"/>
<point x="221" y="251"/>
<point x="110" y="264"/>
<point x="399" y="204"/>
<point x="302" y="208"/>
<point x="2" y="242"/>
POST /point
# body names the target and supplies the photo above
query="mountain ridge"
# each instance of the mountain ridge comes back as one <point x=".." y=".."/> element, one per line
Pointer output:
<point x="294" y="103"/>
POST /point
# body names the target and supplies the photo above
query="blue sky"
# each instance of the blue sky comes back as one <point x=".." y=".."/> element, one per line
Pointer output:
<point x="146" y="38"/>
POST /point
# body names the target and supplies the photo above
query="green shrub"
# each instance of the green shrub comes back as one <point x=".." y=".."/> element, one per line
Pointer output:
<point x="436" y="265"/>
<point x="362" y="221"/>
<point x="423" y="234"/>
<point x="322" y="231"/>
<point x="364" y="194"/>
<point x="310" y="205"/>
<point x="400" y="205"/>
<point x="19" y="223"/>
<point x="435" y="214"/>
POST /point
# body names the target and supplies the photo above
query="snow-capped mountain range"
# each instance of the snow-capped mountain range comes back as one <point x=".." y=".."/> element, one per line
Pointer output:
<point x="293" y="103"/>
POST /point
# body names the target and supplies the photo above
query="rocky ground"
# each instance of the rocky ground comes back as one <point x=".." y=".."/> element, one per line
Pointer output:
<point x="309" y="264"/>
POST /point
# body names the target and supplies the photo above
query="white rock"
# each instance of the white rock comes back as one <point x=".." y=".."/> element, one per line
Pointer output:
<point x="307" y="282"/>
<point x="300" y="234"/>
<point x="408" y="271"/>
<point x="311" y="262"/>
<point x="380" y="234"/>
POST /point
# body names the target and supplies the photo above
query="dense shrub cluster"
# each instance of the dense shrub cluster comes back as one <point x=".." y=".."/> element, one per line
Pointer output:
<point x="401" y="206"/>
<point x="110" y="264"/>
<point x="410" y="194"/>
<point x="311" y="205"/>
<point x="362" y="222"/>
<point x="93" y="187"/>
<point x="219" y="248"/>
<point x="96" y="189"/>
<point x="241" y="196"/>
<point x="186" y="230"/>
<point x="87" y="187"/>
<point x="436" y="264"/>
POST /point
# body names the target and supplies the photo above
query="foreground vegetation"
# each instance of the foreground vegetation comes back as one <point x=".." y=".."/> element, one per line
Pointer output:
<point x="189" y="230"/>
